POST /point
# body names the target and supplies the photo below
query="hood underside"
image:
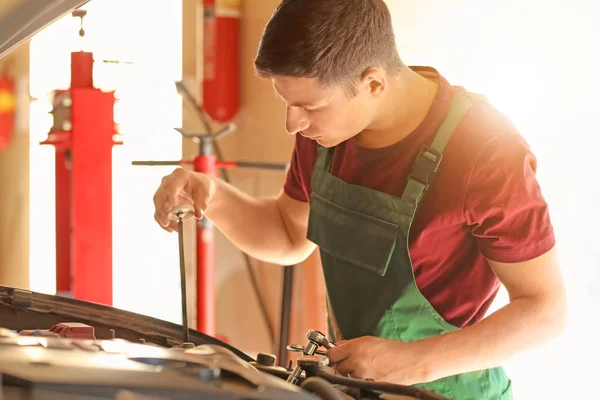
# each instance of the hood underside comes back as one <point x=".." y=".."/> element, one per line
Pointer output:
<point x="26" y="310"/>
<point x="28" y="17"/>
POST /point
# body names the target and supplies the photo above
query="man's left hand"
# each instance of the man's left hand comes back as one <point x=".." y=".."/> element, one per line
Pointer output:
<point x="378" y="359"/>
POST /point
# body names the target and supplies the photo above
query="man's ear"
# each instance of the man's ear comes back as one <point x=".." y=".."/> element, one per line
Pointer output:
<point x="374" y="81"/>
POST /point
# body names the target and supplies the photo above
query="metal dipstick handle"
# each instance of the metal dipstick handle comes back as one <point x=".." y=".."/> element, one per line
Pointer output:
<point x="297" y="348"/>
<point x="179" y="214"/>
<point x="182" y="211"/>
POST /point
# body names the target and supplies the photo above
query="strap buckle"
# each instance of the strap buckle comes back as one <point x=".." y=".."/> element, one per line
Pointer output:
<point x="426" y="165"/>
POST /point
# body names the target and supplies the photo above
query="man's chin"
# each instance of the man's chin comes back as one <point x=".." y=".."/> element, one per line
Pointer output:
<point x="325" y="142"/>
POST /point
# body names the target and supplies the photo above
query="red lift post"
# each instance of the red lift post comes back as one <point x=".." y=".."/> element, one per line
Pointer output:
<point x="83" y="133"/>
<point x="207" y="162"/>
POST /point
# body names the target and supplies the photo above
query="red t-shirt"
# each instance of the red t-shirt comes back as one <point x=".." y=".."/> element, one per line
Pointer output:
<point x="485" y="201"/>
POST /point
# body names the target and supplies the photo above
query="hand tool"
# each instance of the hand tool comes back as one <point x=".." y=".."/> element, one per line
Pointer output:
<point x="179" y="214"/>
<point x="316" y="339"/>
<point x="319" y="338"/>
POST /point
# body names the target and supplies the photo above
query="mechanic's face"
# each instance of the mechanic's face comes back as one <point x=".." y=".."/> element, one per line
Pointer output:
<point x="327" y="115"/>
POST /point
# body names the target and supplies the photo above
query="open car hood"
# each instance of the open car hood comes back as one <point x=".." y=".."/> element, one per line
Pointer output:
<point x="56" y="347"/>
<point x="73" y="349"/>
<point x="28" y="17"/>
<point x="27" y="310"/>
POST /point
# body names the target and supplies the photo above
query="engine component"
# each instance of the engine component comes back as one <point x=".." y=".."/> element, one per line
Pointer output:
<point x="319" y="339"/>
<point x="315" y="339"/>
<point x="22" y="310"/>
<point x="380" y="387"/>
<point x="73" y="330"/>
<point x="40" y="366"/>
<point x="267" y="360"/>
<point x="323" y="389"/>
<point x="312" y="365"/>
<point x="55" y="347"/>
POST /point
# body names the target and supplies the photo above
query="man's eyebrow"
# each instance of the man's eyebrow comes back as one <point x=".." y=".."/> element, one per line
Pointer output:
<point x="297" y="104"/>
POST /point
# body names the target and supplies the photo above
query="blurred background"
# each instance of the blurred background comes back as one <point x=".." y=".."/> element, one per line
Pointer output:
<point x="534" y="60"/>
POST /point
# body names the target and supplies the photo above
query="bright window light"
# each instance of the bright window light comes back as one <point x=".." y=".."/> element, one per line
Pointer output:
<point x="532" y="61"/>
<point x="147" y="43"/>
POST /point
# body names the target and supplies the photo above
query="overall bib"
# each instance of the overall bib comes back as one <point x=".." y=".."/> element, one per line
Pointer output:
<point x="363" y="239"/>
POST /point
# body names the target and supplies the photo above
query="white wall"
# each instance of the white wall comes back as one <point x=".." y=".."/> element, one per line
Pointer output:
<point x="536" y="61"/>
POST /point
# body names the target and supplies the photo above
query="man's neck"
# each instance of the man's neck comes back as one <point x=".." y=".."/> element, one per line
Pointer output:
<point x="406" y="105"/>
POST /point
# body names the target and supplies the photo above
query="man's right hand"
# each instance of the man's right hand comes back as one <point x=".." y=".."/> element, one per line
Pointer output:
<point x="182" y="186"/>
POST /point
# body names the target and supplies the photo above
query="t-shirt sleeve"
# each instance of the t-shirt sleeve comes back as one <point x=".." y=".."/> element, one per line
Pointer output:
<point x="504" y="205"/>
<point x="293" y="186"/>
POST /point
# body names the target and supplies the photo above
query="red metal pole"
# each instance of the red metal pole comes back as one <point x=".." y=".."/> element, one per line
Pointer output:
<point x="205" y="255"/>
<point x="82" y="69"/>
<point x="63" y="223"/>
<point x="83" y="133"/>
<point x="92" y="131"/>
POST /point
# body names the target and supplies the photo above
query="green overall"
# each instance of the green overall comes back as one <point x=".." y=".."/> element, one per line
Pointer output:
<point x="363" y="239"/>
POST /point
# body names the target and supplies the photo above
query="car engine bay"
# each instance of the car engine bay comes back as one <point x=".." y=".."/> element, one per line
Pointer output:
<point x="53" y="347"/>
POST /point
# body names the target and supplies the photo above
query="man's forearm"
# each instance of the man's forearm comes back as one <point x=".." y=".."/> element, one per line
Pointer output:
<point x="522" y="324"/>
<point x="254" y="225"/>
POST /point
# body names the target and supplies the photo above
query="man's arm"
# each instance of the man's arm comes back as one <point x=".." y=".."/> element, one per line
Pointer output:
<point x="268" y="229"/>
<point x="510" y="222"/>
<point x="536" y="313"/>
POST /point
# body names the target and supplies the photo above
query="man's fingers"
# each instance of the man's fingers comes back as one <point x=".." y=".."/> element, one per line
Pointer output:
<point x="179" y="188"/>
<point x="161" y="198"/>
<point x="171" y="226"/>
<point x="164" y="198"/>
<point x="338" y="353"/>
<point x="168" y="226"/>
<point x="345" y="368"/>
<point x="352" y="368"/>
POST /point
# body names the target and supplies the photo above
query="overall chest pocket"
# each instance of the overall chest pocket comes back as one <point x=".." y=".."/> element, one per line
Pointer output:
<point x="353" y="237"/>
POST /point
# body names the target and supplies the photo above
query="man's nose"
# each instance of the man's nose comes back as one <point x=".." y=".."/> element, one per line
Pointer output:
<point x="296" y="120"/>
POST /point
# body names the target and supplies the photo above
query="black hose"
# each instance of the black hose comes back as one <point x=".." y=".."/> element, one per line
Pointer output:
<point x="322" y="389"/>
<point x="381" y="387"/>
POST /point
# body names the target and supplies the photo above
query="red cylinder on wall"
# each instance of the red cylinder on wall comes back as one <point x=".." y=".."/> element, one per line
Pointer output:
<point x="220" y="85"/>
<point x="7" y="111"/>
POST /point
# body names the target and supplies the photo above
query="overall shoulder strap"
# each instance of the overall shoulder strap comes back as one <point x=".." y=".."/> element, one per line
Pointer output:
<point x="324" y="158"/>
<point x="430" y="157"/>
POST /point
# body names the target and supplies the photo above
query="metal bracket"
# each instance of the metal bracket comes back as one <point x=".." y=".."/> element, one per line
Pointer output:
<point x="21" y="298"/>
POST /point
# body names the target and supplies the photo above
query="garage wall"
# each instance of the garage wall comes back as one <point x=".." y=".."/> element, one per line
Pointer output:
<point x="260" y="136"/>
<point x="14" y="182"/>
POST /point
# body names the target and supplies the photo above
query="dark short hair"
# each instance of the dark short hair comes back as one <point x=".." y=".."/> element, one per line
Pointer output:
<point x="334" y="41"/>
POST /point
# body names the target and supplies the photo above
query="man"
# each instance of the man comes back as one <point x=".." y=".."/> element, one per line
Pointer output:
<point x="421" y="197"/>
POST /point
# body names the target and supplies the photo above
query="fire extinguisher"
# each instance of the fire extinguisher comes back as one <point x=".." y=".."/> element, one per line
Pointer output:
<point x="7" y="110"/>
<point x="220" y="84"/>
